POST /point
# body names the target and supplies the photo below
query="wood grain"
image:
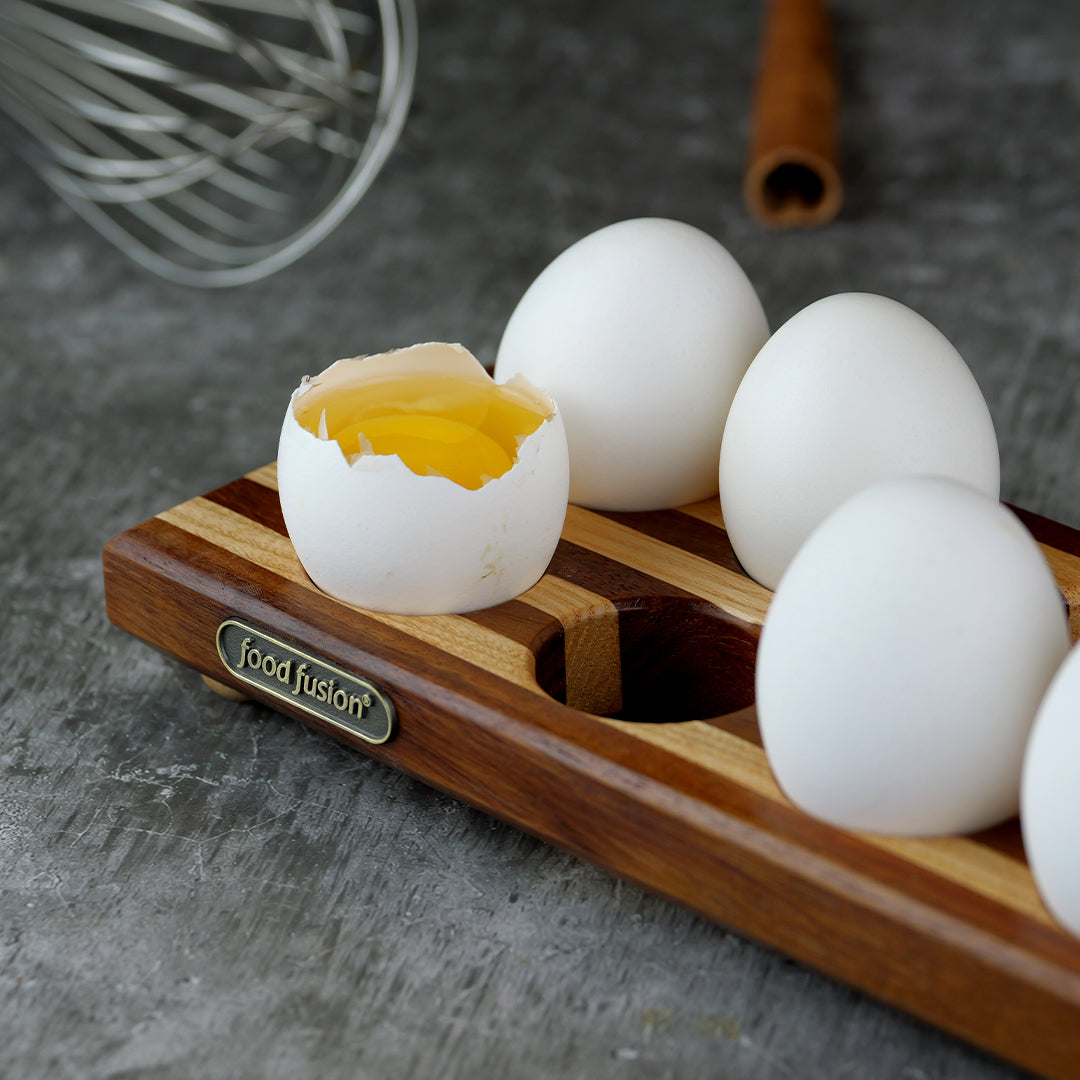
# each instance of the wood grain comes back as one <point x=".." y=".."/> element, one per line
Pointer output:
<point x="609" y="710"/>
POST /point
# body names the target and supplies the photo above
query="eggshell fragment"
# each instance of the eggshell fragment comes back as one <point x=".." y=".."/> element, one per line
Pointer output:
<point x="1050" y="796"/>
<point x="852" y="389"/>
<point x="642" y="331"/>
<point x="375" y="534"/>
<point x="903" y="657"/>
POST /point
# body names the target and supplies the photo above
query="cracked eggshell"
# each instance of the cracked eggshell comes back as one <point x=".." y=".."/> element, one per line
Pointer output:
<point x="375" y="534"/>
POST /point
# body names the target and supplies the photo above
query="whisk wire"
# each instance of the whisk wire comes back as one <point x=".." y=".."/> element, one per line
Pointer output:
<point x="209" y="172"/>
<point x="80" y="117"/>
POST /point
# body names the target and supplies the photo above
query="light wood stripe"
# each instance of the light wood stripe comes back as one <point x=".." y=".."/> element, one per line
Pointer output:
<point x="728" y="590"/>
<point x="965" y="862"/>
<point x="263" y="546"/>
<point x="708" y="511"/>
<point x="265" y="475"/>
<point x="1066" y="569"/>
<point x="591" y="633"/>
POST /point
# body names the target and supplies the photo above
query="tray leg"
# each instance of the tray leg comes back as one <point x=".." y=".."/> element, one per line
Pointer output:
<point x="225" y="691"/>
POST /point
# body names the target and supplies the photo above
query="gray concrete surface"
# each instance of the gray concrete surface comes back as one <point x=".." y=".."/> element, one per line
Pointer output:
<point x="192" y="889"/>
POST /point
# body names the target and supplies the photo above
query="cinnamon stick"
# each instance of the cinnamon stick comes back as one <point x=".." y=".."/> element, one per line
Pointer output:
<point x="793" y="175"/>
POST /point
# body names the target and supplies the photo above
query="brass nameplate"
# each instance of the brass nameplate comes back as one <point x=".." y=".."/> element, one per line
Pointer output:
<point x="345" y="701"/>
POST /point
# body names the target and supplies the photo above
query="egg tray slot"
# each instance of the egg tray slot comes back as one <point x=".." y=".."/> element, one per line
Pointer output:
<point x="609" y="711"/>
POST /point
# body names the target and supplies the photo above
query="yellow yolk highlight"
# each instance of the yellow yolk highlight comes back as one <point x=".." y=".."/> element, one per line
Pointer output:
<point x="467" y="430"/>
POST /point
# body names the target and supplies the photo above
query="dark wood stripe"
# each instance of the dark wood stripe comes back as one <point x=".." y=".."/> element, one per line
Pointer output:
<point x="1051" y="533"/>
<point x="1006" y="839"/>
<point x="623" y="585"/>
<point x="743" y="723"/>
<point x="607" y="577"/>
<point x="682" y="531"/>
<point x="254" y="501"/>
<point x="519" y="622"/>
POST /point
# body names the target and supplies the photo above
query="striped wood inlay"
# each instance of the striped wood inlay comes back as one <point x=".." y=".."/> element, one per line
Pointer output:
<point x="730" y="591"/>
<point x="590" y="622"/>
<point x="265" y="547"/>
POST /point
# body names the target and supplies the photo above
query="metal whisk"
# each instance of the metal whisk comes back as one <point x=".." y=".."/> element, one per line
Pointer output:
<point x="214" y="141"/>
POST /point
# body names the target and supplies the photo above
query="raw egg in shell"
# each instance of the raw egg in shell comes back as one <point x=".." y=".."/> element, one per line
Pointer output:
<point x="410" y="482"/>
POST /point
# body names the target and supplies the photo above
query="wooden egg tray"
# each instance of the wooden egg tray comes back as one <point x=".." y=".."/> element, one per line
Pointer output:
<point x="609" y="710"/>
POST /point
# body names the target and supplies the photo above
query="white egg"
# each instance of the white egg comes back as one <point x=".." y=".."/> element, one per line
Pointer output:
<point x="372" y="532"/>
<point x="641" y="331"/>
<point x="852" y="389"/>
<point x="903" y="657"/>
<point x="1050" y="796"/>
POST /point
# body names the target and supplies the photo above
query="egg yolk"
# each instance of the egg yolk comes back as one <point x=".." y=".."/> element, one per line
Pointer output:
<point x="467" y="430"/>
